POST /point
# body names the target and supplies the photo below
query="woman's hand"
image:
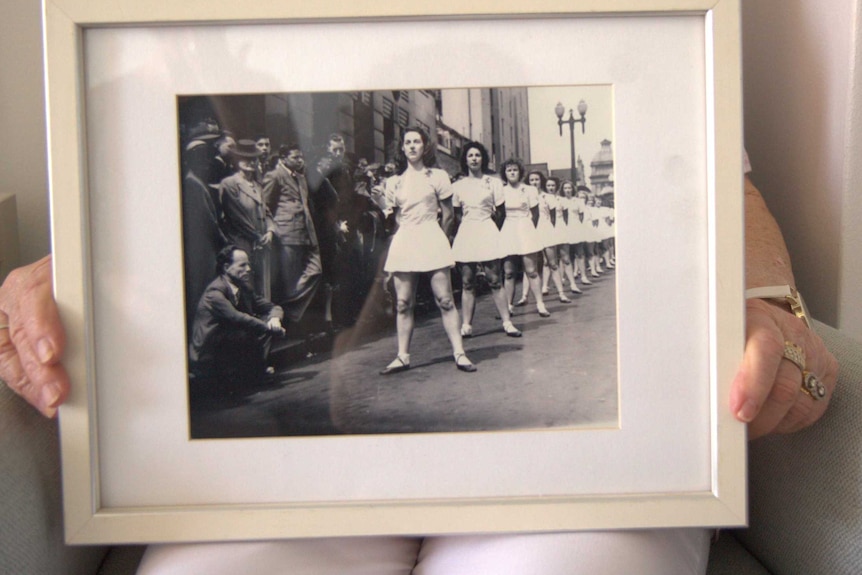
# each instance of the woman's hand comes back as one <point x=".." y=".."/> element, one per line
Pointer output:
<point x="767" y="390"/>
<point x="32" y="342"/>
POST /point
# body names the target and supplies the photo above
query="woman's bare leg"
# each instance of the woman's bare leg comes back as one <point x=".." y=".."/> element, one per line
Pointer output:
<point x="533" y="277"/>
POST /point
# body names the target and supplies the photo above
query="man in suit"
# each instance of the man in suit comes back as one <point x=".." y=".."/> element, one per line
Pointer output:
<point x="233" y="326"/>
<point x="261" y="165"/>
<point x="202" y="234"/>
<point x="285" y="192"/>
<point x="245" y="218"/>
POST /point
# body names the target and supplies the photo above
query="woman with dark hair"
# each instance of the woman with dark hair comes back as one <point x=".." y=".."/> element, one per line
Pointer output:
<point x="480" y="207"/>
<point x="592" y="215"/>
<point x="551" y="223"/>
<point x="413" y="197"/>
<point x="519" y="234"/>
<point x="580" y="234"/>
<point x="608" y="231"/>
<point x="563" y="231"/>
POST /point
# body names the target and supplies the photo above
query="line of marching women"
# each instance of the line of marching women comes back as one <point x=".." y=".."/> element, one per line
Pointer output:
<point x="492" y="223"/>
<point x="578" y="234"/>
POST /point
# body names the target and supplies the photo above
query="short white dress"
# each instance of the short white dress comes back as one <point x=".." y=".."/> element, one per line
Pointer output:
<point x="591" y="224"/>
<point x="607" y="224"/>
<point x="578" y="232"/>
<point x="561" y="228"/>
<point x="547" y="202"/>
<point x="419" y="244"/>
<point x="478" y="239"/>
<point x="519" y="235"/>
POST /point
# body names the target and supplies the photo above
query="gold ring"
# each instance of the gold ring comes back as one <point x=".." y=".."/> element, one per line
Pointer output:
<point x="5" y="326"/>
<point x="795" y="354"/>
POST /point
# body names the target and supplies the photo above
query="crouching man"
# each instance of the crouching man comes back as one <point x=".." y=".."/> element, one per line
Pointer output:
<point x="233" y="327"/>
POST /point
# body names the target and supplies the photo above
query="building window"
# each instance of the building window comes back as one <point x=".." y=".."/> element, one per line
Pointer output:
<point x="387" y="107"/>
<point x="403" y="117"/>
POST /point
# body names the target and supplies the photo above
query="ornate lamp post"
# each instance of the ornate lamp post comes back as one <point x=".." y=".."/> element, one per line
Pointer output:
<point x="559" y="109"/>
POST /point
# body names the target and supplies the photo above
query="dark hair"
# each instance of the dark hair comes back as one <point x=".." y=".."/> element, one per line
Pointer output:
<point x="512" y="162"/>
<point x="429" y="158"/>
<point x="335" y="137"/>
<point x="554" y="179"/>
<point x="259" y="137"/>
<point x="284" y="150"/>
<point x="225" y="257"/>
<point x="482" y="150"/>
<point x="542" y="179"/>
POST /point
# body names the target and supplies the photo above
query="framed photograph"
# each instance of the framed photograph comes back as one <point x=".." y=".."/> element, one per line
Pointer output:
<point x="345" y="270"/>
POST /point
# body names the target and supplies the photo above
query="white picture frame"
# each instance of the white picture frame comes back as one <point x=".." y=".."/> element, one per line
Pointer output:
<point x="101" y="506"/>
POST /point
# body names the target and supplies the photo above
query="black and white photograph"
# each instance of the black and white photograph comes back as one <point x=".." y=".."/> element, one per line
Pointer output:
<point x="382" y="286"/>
<point x="399" y="261"/>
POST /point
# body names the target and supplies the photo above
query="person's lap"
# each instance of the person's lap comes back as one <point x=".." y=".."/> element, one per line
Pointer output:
<point x="658" y="551"/>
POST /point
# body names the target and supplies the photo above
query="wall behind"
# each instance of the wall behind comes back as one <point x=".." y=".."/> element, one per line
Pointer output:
<point x="23" y="163"/>
<point x="798" y="64"/>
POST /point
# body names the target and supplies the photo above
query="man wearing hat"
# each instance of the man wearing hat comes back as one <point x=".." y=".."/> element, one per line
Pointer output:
<point x="286" y="193"/>
<point x="246" y="220"/>
<point x="202" y="234"/>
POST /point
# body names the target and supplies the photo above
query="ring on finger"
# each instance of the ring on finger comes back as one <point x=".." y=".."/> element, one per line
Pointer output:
<point x="812" y="386"/>
<point x="795" y="354"/>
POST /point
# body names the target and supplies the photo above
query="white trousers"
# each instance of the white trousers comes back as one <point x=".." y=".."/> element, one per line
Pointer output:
<point x="648" y="552"/>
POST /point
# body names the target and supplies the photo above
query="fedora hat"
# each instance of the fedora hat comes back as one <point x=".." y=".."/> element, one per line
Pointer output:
<point x="245" y="149"/>
<point x="204" y="130"/>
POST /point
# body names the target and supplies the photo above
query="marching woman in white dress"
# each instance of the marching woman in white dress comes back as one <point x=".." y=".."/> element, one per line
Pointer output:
<point x="591" y="218"/>
<point x="564" y="227"/>
<point x="580" y="234"/>
<point x="551" y="211"/>
<point x="414" y="198"/>
<point x="519" y="234"/>
<point x="549" y="214"/>
<point x="608" y="231"/>
<point x="480" y="206"/>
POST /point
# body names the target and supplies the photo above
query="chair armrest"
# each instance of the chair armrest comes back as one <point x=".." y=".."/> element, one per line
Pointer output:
<point x="805" y="489"/>
<point x="31" y="514"/>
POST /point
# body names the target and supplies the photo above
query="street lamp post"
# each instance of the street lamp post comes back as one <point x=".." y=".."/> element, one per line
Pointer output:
<point x="559" y="109"/>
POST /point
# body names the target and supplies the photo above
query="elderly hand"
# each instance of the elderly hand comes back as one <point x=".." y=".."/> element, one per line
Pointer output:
<point x="767" y="390"/>
<point x="32" y="341"/>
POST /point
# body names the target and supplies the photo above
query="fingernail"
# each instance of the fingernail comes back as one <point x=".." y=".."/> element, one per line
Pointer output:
<point x="50" y="395"/>
<point x="748" y="412"/>
<point x="45" y="350"/>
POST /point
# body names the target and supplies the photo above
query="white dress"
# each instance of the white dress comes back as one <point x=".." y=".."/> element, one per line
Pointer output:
<point x="519" y="235"/>
<point x="591" y="228"/>
<point x="561" y="229"/>
<point x="478" y="239"/>
<point x="578" y="230"/>
<point x="419" y="244"/>
<point x="547" y="202"/>
<point x="607" y="225"/>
